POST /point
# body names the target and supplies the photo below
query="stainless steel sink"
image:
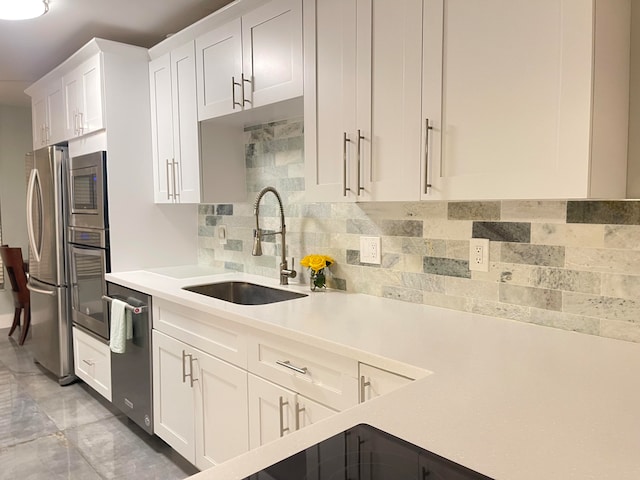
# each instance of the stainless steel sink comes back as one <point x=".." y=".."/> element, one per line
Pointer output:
<point x="244" y="293"/>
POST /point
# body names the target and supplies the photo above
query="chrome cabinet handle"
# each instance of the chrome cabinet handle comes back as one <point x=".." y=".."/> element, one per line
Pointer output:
<point x="80" y="123"/>
<point x="345" y="140"/>
<point x="233" y="93"/>
<point x="168" y="186"/>
<point x="88" y="362"/>
<point x="299" y="410"/>
<point x="174" y="169"/>
<point x="360" y="138"/>
<point x="184" y="370"/>
<point x="287" y="364"/>
<point x="363" y="385"/>
<point x="244" y="97"/>
<point x="427" y="185"/>
<point x="281" y="404"/>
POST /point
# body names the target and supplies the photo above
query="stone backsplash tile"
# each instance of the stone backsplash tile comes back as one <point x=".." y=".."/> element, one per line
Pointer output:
<point x="566" y="280"/>
<point x="447" y="266"/>
<point x="603" y="260"/>
<point x="539" y="211"/>
<point x="545" y="255"/>
<point x="502" y="231"/>
<point x="605" y="212"/>
<point x="568" y="235"/>
<point x="532" y="297"/>
<point x="621" y="286"/>
<point x="572" y="265"/>
<point x="399" y="228"/>
<point x="602" y="307"/>
<point x="474" y="211"/>
<point x="622" y="236"/>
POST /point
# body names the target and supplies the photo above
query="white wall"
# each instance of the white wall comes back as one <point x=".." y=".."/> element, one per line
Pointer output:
<point x="15" y="141"/>
<point x="633" y="171"/>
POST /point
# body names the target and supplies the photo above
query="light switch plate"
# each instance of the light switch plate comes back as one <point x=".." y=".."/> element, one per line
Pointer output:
<point x="370" y="250"/>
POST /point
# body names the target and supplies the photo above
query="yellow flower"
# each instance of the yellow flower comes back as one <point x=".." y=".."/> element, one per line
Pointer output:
<point x="316" y="262"/>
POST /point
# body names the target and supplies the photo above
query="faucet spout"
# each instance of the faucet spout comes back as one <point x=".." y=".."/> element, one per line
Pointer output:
<point x="285" y="272"/>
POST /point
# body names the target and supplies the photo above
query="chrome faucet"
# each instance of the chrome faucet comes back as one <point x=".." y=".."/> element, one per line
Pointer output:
<point x="285" y="272"/>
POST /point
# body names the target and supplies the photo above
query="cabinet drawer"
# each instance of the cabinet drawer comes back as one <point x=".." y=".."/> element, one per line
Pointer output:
<point x="215" y="336"/>
<point x="92" y="360"/>
<point x="323" y="376"/>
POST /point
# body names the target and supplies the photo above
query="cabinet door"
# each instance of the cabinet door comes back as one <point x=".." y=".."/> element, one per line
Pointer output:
<point x="39" y="121"/>
<point x="83" y="111"/>
<point x="173" y="397"/>
<point x="375" y="382"/>
<point x="161" y="128"/>
<point x="222" y="426"/>
<point x="389" y="99"/>
<point x="330" y="101"/>
<point x="72" y="87"/>
<point x="92" y="360"/>
<point x="91" y="118"/>
<point x="219" y="69"/>
<point x="307" y="412"/>
<point x="55" y="113"/>
<point x="271" y="411"/>
<point x="272" y="52"/>
<point x="186" y="154"/>
<point x="510" y="118"/>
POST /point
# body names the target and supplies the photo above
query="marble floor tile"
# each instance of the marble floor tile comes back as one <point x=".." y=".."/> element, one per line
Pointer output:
<point x="120" y="450"/>
<point x="73" y="406"/>
<point x="50" y="457"/>
<point x="21" y="419"/>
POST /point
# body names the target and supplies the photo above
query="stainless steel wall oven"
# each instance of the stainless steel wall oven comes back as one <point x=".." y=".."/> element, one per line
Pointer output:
<point x="88" y="242"/>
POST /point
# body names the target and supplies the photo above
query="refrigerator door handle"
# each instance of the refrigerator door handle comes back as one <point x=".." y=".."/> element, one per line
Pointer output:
<point x="39" y="290"/>
<point x="33" y="178"/>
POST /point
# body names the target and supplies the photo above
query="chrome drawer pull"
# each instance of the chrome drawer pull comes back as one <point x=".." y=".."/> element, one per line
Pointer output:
<point x="88" y="362"/>
<point x="288" y="365"/>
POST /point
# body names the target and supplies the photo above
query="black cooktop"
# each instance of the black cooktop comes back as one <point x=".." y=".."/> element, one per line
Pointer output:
<point x="366" y="453"/>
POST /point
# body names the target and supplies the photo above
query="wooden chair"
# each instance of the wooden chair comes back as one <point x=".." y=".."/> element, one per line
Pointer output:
<point x="14" y="265"/>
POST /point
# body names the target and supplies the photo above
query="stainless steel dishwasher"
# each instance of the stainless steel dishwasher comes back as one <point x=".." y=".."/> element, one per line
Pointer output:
<point x="131" y="373"/>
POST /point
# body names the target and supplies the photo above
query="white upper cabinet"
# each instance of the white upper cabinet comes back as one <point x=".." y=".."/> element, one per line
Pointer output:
<point x="251" y="61"/>
<point x="443" y="99"/>
<point x="83" y="98"/>
<point x="174" y="127"/>
<point x="362" y="108"/>
<point x="47" y="107"/>
<point x="219" y="68"/>
<point x="520" y="102"/>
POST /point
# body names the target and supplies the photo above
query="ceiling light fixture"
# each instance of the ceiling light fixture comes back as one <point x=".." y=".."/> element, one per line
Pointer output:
<point x="22" y="9"/>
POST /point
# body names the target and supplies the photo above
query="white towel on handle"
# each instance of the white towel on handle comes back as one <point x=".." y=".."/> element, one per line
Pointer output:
<point x="121" y="326"/>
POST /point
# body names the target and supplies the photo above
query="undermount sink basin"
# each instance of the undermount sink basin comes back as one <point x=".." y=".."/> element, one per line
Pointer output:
<point x="244" y="293"/>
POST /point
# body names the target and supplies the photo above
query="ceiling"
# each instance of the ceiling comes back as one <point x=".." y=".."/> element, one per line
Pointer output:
<point x="31" y="48"/>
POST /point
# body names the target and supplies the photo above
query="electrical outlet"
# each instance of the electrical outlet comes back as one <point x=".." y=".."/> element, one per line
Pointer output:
<point x="370" y="250"/>
<point x="479" y="254"/>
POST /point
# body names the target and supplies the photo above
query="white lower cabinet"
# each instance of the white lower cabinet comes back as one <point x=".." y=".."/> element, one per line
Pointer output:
<point x="92" y="360"/>
<point x="275" y="411"/>
<point x="375" y="382"/>
<point x="200" y="402"/>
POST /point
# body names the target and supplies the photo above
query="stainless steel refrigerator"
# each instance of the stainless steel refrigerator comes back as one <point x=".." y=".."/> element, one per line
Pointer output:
<point x="50" y="342"/>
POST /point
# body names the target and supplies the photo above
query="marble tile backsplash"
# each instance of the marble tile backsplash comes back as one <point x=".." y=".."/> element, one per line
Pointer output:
<point x="573" y="265"/>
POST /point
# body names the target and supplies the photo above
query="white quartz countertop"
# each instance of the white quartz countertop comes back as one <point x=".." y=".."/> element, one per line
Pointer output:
<point x="511" y="400"/>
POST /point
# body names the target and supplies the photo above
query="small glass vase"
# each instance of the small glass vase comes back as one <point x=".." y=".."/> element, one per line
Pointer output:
<point x="317" y="281"/>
